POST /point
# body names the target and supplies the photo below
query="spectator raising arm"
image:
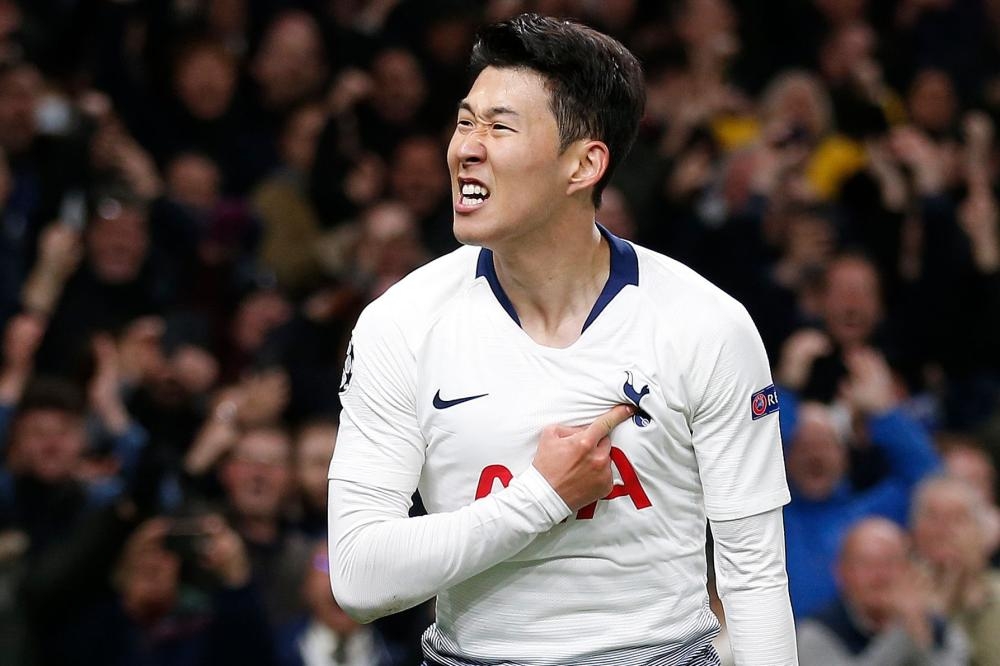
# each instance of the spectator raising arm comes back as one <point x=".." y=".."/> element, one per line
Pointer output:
<point x="59" y="253"/>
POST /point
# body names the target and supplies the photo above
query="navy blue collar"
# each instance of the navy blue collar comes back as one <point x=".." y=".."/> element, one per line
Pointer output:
<point x="624" y="271"/>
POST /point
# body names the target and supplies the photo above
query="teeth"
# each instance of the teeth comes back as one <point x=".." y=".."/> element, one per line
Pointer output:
<point x="471" y="189"/>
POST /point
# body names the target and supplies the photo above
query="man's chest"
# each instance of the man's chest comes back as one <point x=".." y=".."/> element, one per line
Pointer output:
<point x="482" y="406"/>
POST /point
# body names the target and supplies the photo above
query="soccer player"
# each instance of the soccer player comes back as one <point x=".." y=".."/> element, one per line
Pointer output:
<point x="570" y="406"/>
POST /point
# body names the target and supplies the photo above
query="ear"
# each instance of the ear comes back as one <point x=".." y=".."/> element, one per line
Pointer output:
<point x="589" y="163"/>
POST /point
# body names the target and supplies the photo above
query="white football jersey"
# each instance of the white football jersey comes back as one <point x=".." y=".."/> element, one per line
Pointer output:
<point x="462" y="395"/>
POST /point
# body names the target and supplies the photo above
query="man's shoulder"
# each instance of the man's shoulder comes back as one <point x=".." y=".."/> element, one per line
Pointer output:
<point x="682" y="292"/>
<point x="420" y="296"/>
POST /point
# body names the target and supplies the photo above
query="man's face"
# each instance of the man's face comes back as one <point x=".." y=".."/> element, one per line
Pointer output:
<point x="117" y="243"/>
<point x="871" y="568"/>
<point x="507" y="173"/>
<point x="852" y="306"/>
<point x="314" y="450"/>
<point x="194" y="181"/>
<point x="932" y="100"/>
<point x="49" y="443"/>
<point x="20" y="90"/>
<point x="817" y="460"/>
<point x="298" y="142"/>
<point x="418" y="179"/>
<point x="150" y="583"/>
<point x="258" y="475"/>
<point x="974" y="467"/>
<point x="399" y="86"/>
<point x="945" y="530"/>
<point x="205" y="82"/>
<point x="289" y="65"/>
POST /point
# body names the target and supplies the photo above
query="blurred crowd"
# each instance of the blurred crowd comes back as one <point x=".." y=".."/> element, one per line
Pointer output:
<point x="198" y="197"/>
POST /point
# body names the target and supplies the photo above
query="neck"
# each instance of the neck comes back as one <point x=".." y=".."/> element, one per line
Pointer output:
<point x="554" y="278"/>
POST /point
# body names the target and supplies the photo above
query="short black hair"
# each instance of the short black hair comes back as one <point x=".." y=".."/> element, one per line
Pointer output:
<point x="596" y="85"/>
<point x="46" y="393"/>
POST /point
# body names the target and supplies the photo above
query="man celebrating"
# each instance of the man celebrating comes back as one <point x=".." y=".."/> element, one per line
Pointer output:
<point x="571" y="407"/>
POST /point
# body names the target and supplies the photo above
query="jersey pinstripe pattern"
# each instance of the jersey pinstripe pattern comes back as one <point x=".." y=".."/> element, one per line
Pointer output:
<point x="438" y="648"/>
<point x="623" y="581"/>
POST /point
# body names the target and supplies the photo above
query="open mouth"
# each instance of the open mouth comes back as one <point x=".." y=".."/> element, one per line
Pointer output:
<point x="473" y="193"/>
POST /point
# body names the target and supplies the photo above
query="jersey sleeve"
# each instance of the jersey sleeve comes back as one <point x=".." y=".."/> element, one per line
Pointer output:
<point x="734" y="423"/>
<point x="379" y="442"/>
<point x="381" y="560"/>
<point x="753" y="586"/>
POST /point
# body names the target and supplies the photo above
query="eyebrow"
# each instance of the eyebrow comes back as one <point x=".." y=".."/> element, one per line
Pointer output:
<point x="490" y="112"/>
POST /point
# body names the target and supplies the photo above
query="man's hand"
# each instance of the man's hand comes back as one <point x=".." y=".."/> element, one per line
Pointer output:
<point x="927" y="161"/>
<point x="224" y="552"/>
<point x="21" y="339"/>
<point x="140" y="353"/>
<point x="979" y="218"/>
<point x="104" y="391"/>
<point x="868" y="388"/>
<point x="798" y="354"/>
<point x="60" y="251"/>
<point x="912" y="603"/>
<point x="576" y="460"/>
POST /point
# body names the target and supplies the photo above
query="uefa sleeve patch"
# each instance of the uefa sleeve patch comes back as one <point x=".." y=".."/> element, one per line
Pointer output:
<point x="345" y="377"/>
<point x="764" y="402"/>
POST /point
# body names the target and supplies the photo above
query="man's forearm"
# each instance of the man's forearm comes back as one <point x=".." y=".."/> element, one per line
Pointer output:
<point x="753" y="585"/>
<point x="383" y="561"/>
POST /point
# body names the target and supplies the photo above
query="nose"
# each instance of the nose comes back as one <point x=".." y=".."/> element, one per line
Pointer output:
<point x="469" y="148"/>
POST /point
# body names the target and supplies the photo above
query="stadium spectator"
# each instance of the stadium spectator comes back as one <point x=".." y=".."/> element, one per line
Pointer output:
<point x="291" y="66"/>
<point x="965" y="458"/>
<point x="114" y="280"/>
<point x="41" y="167"/>
<point x="951" y="537"/>
<point x="326" y="635"/>
<point x="418" y="179"/>
<point x="314" y="445"/>
<point x="389" y="247"/>
<point x="47" y="481"/>
<point x="181" y="599"/>
<point x="883" y="614"/>
<point x="396" y="105"/>
<point x="257" y="476"/>
<point x="290" y="222"/>
<point x="824" y="502"/>
<point x="207" y="113"/>
<point x="783" y="142"/>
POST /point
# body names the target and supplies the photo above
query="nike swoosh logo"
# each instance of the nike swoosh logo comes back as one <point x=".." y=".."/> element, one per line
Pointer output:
<point x="440" y="403"/>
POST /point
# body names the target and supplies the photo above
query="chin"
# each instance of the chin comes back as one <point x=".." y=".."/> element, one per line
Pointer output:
<point x="470" y="232"/>
<point x="816" y="490"/>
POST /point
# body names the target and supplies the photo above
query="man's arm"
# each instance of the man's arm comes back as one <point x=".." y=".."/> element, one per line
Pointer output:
<point x="21" y="338"/>
<point x="386" y="561"/>
<point x="382" y="561"/>
<point x="870" y="393"/>
<point x="735" y="434"/>
<point x="753" y="586"/>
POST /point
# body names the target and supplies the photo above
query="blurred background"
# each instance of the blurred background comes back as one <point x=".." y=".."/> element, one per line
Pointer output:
<point x="198" y="197"/>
